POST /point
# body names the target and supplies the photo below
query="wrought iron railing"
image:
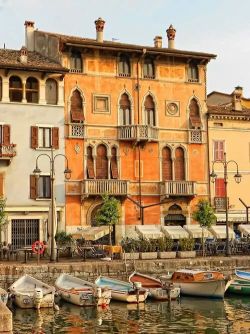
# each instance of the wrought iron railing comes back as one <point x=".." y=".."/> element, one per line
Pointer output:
<point x="195" y="136"/>
<point x="7" y="151"/>
<point x="220" y="203"/>
<point x="76" y="130"/>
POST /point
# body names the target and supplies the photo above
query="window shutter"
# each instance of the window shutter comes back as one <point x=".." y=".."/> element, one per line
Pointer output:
<point x="114" y="168"/>
<point x="179" y="165"/>
<point x="90" y="168"/>
<point x="219" y="187"/>
<point x="101" y="163"/>
<point x="1" y="184"/>
<point x="166" y="165"/>
<point x="55" y="138"/>
<point x="34" y="137"/>
<point x="33" y="187"/>
<point x="6" y="134"/>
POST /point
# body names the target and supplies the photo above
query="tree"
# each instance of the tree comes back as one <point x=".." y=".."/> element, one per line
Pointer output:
<point x="205" y="216"/>
<point x="3" y="215"/>
<point x="109" y="213"/>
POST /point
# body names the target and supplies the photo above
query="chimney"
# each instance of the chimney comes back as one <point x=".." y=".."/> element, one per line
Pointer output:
<point x="99" y="24"/>
<point x="171" y="36"/>
<point x="158" y="42"/>
<point x="29" y="35"/>
<point x="24" y="55"/>
<point x="236" y="98"/>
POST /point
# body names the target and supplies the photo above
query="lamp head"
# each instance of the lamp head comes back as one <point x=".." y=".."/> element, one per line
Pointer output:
<point x="37" y="171"/>
<point x="237" y="177"/>
<point x="67" y="173"/>
<point x="213" y="176"/>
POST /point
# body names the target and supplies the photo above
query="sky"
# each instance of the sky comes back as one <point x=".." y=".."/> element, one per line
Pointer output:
<point x="221" y="27"/>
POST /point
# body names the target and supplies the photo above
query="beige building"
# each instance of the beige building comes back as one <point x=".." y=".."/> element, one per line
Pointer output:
<point x="229" y="132"/>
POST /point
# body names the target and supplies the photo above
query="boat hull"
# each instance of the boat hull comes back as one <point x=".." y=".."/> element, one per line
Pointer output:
<point x="239" y="287"/>
<point x="3" y="296"/>
<point x="124" y="296"/>
<point x="163" y="294"/>
<point x="211" y="289"/>
<point x="27" y="300"/>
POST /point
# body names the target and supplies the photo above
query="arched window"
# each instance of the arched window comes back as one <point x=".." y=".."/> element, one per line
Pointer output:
<point x="90" y="164"/>
<point x="149" y="111"/>
<point x="15" y="89"/>
<point x="1" y="84"/>
<point x="32" y="90"/>
<point x="193" y="72"/>
<point x="76" y="109"/>
<point x="179" y="164"/>
<point x="124" y="66"/>
<point x="167" y="169"/>
<point x="148" y="68"/>
<point x="125" y="110"/>
<point x="114" y="164"/>
<point x="75" y="62"/>
<point x="51" y="93"/>
<point x="194" y="114"/>
<point x="175" y="216"/>
<point x="101" y="162"/>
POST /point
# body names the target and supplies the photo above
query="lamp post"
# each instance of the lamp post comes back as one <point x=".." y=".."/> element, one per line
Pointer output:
<point x="67" y="173"/>
<point x="237" y="178"/>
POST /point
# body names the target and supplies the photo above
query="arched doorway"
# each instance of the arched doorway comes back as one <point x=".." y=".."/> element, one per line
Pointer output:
<point x="175" y="216"/>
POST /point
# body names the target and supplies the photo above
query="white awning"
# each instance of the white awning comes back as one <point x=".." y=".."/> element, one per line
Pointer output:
<point x="92" y="232"/>
<point x="195" y="231"/>
<point x="219" y="232"/>
<point x="149" y="231"/>
<point x="232" y="217"/>
<point x="175" y="232"/>
<point x="244" y="229"/>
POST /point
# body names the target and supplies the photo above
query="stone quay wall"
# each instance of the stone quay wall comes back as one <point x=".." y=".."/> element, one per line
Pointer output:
<point x="90" y="270"/>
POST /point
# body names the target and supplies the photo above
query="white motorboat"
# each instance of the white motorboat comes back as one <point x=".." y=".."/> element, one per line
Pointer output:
<point x="200" y="283"/>
<point x="29" y="292"/>
<point x="80" y="292"/>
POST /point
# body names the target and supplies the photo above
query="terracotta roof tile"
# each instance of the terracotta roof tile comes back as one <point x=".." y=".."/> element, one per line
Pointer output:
<point x="227" y="110"/>
<point x="35" y="61"/>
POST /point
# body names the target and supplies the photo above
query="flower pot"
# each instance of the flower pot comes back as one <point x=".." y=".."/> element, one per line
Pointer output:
<point x="148" y="255"/>
<point x="130" y="256"/>
<point x="166" y="255"/>
<point x="186" y="254"/>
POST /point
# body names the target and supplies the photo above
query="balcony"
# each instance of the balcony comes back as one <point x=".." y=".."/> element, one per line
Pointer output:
<point x="138" y="133"/>
<point x="76" y="130"/>
<point x="178" y="188"/>
<point x="195" y="136"/>
<point x="220" y="203"/>
<point x="7" y="152"/>
<point x="100" y="187"/>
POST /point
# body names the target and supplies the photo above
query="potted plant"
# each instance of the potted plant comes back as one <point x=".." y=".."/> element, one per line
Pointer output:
<point x="64" y="241"/>
<point x="186" y="246"/>
<point x="165" y="248"/>
<point x="130" y="248"/>
<point x="148" y="249"/>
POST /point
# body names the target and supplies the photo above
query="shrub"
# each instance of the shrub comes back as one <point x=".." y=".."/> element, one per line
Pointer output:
<point x="165" y="244"/>
<point x="63" y="238"/>
<point x="186" y="244"/>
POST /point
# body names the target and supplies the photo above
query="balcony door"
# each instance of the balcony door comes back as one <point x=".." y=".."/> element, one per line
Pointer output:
<point x="101" y="162"/>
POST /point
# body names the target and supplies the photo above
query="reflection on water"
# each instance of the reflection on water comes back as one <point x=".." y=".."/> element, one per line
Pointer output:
<point x="189" y="316"/>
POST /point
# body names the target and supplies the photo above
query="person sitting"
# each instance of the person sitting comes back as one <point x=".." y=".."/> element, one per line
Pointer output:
<point x="5" y="249"/>
<point x="45" y="252"/>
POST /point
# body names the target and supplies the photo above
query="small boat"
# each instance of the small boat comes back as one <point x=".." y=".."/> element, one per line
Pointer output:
<point x="200" y="283"/>
<point x="3" y="296"/>
<point x="29" y="292"/>
<point x="157" y="289"/>
<point x="80" y="292"/>
<point x="245" y="275"/>
<point x="123" y="291"/>
<point x="239" y="287"/>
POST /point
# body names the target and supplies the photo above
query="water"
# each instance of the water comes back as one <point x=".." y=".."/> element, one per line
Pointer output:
<point x="188" y="315"/>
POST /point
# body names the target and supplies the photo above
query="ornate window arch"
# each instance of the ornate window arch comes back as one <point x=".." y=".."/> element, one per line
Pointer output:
<point x="194" y="114"/>
<point x="125" y="117"/>
<point x="76" y="107"/>
<point x="167" y="164"/>
<point x="149" y="111"/>
<point x="101" y="162"/>
<point x="179" y="164"/>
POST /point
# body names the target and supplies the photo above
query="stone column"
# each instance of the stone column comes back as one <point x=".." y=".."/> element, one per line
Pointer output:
<point x="5" y="89"/>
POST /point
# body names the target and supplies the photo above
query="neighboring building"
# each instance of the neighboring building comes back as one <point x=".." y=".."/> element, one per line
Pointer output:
<point x="31" y="122"/>
<point x="135" y="127"/>
<point x="229" y="132"/>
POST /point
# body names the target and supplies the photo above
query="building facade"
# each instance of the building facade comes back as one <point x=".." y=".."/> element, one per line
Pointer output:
<point x="31" y="123"/>
<point x="229" y="132"/>
<point x="135" y="127"/>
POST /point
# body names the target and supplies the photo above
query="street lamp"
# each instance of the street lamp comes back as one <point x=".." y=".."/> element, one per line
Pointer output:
<point x="237" y="178"/>
<point x="67" y="173"/>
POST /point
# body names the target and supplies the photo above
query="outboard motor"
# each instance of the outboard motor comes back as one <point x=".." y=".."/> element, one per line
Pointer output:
<point x="38" y="296"/>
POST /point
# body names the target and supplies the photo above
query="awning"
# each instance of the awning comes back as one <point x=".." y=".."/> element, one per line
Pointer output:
<point x="195" y="231"/>
<point x="175" y="232"/>
<point x="232" y="217"/>
<point x="244" y="229"/>
<point x="149" y="231"/>
<point x="92" y="232"/>
<point x="219" y="232"/>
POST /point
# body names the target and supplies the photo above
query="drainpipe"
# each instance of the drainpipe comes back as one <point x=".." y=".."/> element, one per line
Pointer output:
<point x="141" y="217"/>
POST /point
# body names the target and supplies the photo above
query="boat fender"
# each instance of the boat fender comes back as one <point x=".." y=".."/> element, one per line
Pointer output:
<point x="38" y="294"/>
